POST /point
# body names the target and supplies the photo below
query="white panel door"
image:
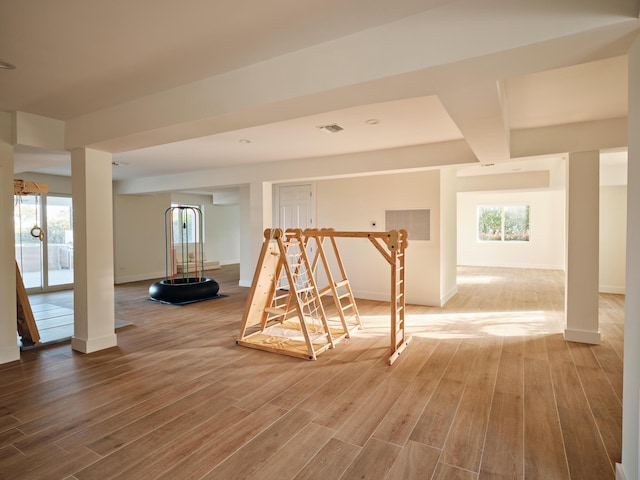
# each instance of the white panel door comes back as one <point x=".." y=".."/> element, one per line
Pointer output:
<point x="295" y="206"/>
<point x="295" y="211"/>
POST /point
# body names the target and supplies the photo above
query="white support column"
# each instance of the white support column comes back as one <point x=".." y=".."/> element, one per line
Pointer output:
<point x="9" y="350"/>
<point x="630" y="467"/>
<point x="256" y="213"/>
<point x="93" y="251"/>
<point x="581" y="284"/>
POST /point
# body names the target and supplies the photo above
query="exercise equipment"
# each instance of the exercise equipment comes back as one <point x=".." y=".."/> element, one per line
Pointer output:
<point x="284" y="311"/>
<point x="184" y="279"/>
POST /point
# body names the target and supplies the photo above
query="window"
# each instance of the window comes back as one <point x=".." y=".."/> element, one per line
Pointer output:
<point x="498" y="223"/>
<point x="187" y="221"/>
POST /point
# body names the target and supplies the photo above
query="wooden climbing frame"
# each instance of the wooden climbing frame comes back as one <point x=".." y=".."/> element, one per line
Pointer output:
<point x="285" y="298"/>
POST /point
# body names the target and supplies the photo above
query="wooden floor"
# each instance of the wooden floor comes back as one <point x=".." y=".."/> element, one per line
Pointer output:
<point x="53" y="314"/>
<point x="487" y="389"/>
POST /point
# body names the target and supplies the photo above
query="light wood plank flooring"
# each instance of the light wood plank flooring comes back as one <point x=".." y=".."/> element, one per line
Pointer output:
<point x="487" y="389"/>
<point x="53" y="313"/>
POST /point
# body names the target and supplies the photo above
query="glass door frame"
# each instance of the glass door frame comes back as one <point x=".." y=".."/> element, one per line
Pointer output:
<point x="41" y="215"/>
<point x="48" y="224"/>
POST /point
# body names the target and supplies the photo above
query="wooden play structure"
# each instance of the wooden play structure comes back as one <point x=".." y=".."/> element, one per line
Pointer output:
<point x="284" y="311"/>
<point x="26" y="324"/>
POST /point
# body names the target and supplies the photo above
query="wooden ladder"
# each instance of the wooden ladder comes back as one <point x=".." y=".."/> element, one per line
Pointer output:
<point x="284" y="289"/>
<point x="399" y="340"/>
<point x="27" y="328"/>
<point x="340" y="288"/>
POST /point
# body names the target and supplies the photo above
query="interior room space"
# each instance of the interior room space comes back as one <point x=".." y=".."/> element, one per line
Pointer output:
<point x="476" y="164"/>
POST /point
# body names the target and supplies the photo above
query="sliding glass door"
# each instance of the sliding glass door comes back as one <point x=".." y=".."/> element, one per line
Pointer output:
<point x="27" y="215"/>
<point x="59" y="220"/>
<point x="44" y="241"/>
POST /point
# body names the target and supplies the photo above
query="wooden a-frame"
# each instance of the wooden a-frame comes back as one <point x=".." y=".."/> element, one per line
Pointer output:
<point x="278" y="296"/>
<point x="284" y="297"/>
<point x="27" y="328"/>
<point x="26" y="323"/>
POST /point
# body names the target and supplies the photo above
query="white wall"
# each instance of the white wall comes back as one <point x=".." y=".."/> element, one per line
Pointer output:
<point x="448" y="234"/>
<point x="353" y="203"/>
<point x="545" y="248"/>
<point x="222" y="231"/>
<point x="221" y="227"/>
<point x="613" y="235"/>
<point x="139" y="243"/>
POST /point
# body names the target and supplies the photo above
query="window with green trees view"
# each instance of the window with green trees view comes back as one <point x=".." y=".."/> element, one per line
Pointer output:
<point x="503" y="223"/>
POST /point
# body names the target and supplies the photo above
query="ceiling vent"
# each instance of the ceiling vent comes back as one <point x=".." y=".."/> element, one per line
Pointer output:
<point x="333" y="128"/>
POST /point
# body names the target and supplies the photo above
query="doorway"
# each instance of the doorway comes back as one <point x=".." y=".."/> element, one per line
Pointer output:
<point x="295" y="210"/>
<point x="295" y="206"/>
<point x="44" y="241"/>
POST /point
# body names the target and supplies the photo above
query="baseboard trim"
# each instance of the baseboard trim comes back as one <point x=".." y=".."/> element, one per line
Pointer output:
<point x="139" y="278"/>
<point x="611" y="289"/>
<point x="582" y="336"/>
<point x="10" y="354"/>
<point x="448" y="296"/>
<point x="84" y="345"/>
<point x="620" y="475"/>
<point x="514" y="265"/>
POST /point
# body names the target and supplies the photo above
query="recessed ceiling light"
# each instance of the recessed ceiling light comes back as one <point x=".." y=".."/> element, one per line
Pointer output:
<point x="7" y="65"/>
<point x="372" y="121"/>
<point x="244" y="140"/>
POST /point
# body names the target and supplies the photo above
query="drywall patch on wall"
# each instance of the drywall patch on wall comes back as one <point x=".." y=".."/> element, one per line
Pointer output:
<point x="417" y="222"/>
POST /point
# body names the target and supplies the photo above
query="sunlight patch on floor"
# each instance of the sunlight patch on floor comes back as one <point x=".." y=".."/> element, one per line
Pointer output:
<point x="475" y="279"/>
<point x="466" y="325"/>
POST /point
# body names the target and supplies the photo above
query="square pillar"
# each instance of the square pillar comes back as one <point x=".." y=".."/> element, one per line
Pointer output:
<point x="256" y="214"/>
<point x="9" y="350"/>
<point x="582" y="266"/>
<point x="629" y="468"/>
<point x="94" y="303"/>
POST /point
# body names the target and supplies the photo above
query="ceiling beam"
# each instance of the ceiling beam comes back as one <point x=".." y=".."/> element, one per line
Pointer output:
<point x="299" y="83"/>
<point x="480" y="113"/>
<point x="575" y="137"/>
<point x="418" y="157"/>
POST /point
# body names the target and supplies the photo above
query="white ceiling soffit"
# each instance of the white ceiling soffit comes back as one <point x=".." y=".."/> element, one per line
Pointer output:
<point x="81" y="56"/>
<point x="369" y="127"/>
<point x="579" y="93"/>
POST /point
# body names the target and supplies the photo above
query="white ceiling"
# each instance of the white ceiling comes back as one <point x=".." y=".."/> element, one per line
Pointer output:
<point x="79" y="59"/>
<point x="78" y="56"/>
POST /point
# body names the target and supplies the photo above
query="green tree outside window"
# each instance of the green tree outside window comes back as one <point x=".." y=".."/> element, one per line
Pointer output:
<point x="503" y="223"/>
